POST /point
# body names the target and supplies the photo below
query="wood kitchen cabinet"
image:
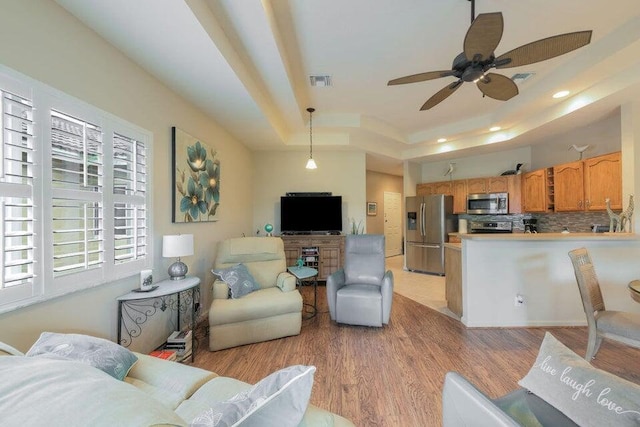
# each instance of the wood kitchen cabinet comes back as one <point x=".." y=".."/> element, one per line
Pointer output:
<point x="602" y="180"/>
<point x="443" y="187"/>
<point x="424" y="189"/>
<point x="325" y="253"/>
<point x="476" y="185"/>
<point x="585" y="184"/>
<point x="537" y="190"/>
<point x="453" y="279"/>
<point x="492" y="184"/>
<point x="569" y="180"/>
<point x="514" y="188"/>
<point x="459" y="188"/>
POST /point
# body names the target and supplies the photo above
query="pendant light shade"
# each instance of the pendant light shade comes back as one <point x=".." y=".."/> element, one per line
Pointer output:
<point x="311" y="164"/>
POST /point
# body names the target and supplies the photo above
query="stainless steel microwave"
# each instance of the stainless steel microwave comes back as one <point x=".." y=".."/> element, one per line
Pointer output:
<point x="488" y="203"/>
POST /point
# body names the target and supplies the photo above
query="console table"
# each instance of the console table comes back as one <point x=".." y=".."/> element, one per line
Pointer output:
<point x="136" y="307"/>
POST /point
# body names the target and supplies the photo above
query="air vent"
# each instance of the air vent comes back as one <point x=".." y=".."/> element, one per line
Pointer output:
<point x="320" y="81"/>
<point x="521" y="77"/>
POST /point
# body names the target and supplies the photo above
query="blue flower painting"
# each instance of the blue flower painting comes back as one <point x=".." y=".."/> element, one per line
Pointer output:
<point x="196" y="176"/>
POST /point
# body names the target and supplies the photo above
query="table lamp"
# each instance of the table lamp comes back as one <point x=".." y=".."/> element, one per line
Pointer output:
<point x="177" y="246"/>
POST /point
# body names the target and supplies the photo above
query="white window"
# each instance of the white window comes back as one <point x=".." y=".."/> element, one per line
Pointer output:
<point x="73" y="194"/>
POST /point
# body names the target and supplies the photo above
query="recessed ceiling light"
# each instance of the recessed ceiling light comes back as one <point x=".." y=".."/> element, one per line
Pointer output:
<point x="561" y="94"/>
<point x="442" y="140"/>
<point x="495" y="128"/>
<point x="320" y="81"/>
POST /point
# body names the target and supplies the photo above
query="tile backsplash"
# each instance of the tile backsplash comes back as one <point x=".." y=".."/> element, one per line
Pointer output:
<point x="576" y="222"/>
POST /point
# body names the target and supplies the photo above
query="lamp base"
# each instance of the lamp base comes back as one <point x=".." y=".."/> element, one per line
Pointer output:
<point x="177" y="270"/>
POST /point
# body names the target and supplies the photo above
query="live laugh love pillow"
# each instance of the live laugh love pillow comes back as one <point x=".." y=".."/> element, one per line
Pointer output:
<point x="587" y="395"/>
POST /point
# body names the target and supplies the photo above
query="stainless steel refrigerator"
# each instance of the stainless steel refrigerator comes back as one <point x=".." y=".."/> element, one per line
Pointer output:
<point x="430" y="219"/>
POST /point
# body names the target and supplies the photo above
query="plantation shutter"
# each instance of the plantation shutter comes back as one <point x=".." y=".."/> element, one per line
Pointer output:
<point x="77" y="203"/>
<point x="129" y="193"/>
<point x="16" y="195"/>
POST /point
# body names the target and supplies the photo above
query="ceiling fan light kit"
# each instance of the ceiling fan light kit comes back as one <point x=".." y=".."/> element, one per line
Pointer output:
<point x="477" y="58"/>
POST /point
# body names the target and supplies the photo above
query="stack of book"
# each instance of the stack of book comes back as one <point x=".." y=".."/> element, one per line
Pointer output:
<point x="180" y="342"/>
<point x="165" y="354"/>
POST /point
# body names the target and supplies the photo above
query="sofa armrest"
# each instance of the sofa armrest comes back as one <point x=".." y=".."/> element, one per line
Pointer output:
<point x="464" y="405"/>
<point x="335" y="281"/>
<point x="220" y="290"/>
<point x="286" y="282"/>
<point x="7" y="349"/>
<point x="387" y="296"/>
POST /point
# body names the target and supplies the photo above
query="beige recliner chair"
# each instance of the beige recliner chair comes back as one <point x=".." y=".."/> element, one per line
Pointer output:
<point x="273" y="311"/>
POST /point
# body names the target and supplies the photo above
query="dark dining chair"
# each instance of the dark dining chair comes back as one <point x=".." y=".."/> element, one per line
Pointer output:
<point x="618" y="326"/>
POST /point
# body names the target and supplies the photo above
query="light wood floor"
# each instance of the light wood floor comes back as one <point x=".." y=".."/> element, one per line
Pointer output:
<point x="393" y="376"/>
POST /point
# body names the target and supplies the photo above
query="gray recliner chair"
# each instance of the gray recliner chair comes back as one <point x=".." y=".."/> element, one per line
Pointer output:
<point x="362" y="292"/>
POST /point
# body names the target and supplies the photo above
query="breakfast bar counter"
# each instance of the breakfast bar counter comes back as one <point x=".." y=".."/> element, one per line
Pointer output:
<point x="552" y="236"/>
<point x="500" y="269"/>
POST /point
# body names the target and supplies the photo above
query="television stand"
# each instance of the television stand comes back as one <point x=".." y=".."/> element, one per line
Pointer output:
<point x="328" y="251"/>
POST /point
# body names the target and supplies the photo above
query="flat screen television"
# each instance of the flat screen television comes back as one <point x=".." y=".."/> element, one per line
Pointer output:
<point x="310" y="214"/>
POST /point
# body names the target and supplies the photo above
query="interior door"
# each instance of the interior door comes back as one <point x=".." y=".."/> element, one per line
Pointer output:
<point x="392" y="223"/>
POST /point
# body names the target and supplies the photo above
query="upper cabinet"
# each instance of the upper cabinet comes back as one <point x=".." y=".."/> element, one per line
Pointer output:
<point x="538" y="190"/>
<point x="603" y="180"/>
<point x="424" y="189"/>
<point x="460" y="192"/>
<point x="569" y="178"/>
<point x="443" y="187"/>
<point x="460" y="188"/>
<point x="477" y="185"/>
<point x="586" y="184"/>
<point x="493" y="184"/>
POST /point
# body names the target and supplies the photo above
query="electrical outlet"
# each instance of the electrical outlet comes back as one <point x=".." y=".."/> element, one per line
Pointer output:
<point x="518" y="300"/>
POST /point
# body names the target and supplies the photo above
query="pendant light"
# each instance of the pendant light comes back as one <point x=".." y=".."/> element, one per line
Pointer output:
<point x="311" y="164"/>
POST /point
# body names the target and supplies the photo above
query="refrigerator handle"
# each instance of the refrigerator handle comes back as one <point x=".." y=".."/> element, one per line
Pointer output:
<point x="422" y="211"/>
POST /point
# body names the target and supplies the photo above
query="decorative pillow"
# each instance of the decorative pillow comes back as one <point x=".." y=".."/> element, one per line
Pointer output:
<point x="278" y="400"/>
<point x="238" y="278"/>
<point x="105" y="355"/>
<point x="587" y="395"/>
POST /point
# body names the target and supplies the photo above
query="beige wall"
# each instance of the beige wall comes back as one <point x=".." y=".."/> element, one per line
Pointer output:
<point x="277" y="172"/>
<point x="492" y="164"/>
<point x="46" y="43"/>
<point x="377" y="184"/>
<point x="602" y="137"/>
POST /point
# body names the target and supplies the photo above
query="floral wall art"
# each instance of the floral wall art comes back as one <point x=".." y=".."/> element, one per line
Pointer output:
<point x="196" y="179"/>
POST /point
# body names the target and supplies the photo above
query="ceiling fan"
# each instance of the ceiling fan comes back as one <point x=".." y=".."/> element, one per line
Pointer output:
<point x="478" y="58"/>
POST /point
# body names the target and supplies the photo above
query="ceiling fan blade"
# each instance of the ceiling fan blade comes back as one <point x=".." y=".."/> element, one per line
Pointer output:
<point x="483" y="36"/>
<point x="441" y="95"/>
<point x="543" y="49"/>
<point x="415" y="78"/>
<point x="497" y="86"/>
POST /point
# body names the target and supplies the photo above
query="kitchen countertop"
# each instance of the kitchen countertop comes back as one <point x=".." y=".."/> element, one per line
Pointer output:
<point x="550" y="236"/>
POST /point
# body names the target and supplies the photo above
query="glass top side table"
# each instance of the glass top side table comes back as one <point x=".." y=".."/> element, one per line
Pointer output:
<point x="307" y="276"/>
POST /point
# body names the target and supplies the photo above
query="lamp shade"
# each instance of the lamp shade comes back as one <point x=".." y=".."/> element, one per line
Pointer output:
<point x="175" y="246"/>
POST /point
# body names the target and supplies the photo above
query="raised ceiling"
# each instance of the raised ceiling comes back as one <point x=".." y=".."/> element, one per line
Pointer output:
<point x="247" y="64"/>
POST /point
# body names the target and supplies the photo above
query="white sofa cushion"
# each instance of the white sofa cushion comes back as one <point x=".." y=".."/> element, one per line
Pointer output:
<point x="256" y="305"/>
<point x="587" y="395"/>
<point x="47" y="392"/>
<point x="105" y="355"/>
<point x="279" y="400"/>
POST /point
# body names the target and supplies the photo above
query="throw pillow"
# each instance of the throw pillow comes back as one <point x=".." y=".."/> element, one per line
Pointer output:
<point x="587" y="395"/>
<point x="278" y="400"/>
<point x="105" y="355"/>
<point x="238" y="278"/>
